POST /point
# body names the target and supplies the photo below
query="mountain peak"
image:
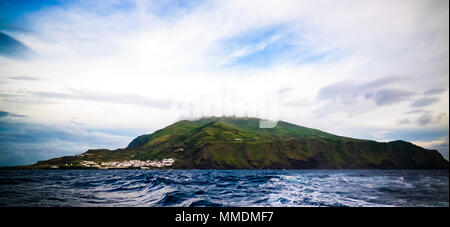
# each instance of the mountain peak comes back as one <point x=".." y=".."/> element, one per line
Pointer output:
<point x="239" y="143"/>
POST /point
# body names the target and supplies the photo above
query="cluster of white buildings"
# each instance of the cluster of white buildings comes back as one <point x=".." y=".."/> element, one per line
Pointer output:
<point x="130" y="164"/>
<point x="89" y="164"/>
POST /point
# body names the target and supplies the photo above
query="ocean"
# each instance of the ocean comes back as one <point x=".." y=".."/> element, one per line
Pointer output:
<point x="216" y="188"/>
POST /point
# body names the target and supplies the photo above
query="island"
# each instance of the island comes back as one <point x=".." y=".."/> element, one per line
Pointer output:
<point x="241" y="143"/>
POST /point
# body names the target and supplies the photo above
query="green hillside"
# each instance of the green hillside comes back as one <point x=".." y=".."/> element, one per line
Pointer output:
<point x="239" y="143"/>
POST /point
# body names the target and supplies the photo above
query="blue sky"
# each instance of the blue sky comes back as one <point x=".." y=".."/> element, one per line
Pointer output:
<point x="76" y="75"/>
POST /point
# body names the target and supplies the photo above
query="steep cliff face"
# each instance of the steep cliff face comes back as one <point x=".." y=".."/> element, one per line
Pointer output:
<point x="239" y="143"/>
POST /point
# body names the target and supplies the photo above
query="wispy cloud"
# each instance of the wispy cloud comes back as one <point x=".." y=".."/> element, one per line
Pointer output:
<point x="434" y="91"/>
<point x="128" y="99"/>
<point x="375" y="89"/>
<point x="8" y="114"/>
<point x="424" y="102"/>
<point x="404" y="122"/>
<point x="348" y="94"/>
<point x="390" y="96"/>
<point x="425" y="118"/>
<point x="122" y="63"/>
<point x="26" y="78"/>
<point x="416" y="111"/>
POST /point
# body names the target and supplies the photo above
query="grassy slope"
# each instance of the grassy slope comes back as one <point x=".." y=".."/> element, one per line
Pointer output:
<point x="239" y="143"/>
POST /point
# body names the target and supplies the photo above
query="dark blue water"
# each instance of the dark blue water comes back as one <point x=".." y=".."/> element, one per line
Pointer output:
<point x="224" y="188"/>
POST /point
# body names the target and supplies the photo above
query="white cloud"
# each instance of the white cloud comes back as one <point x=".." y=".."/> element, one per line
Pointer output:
<point x="177" y="57"/>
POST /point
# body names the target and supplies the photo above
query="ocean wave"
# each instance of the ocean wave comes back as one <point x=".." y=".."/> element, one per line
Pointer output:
<point x="192" y="188"/>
